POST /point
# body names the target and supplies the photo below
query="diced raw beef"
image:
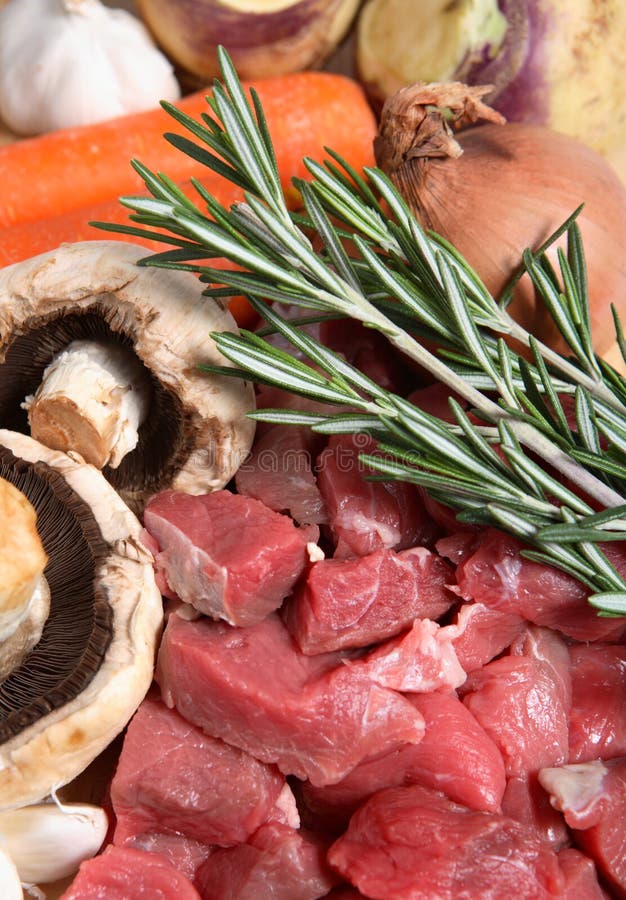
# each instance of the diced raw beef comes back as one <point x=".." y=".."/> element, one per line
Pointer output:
<point x="518" y="703"/>
<point x="420" y="660"/>
<point x="458" y="545"/>
<point x="279" y="473"/>
<point x="455" y="756"/>
<point x="183" y="853"/>
<point x="592" y="797"/>
<point x="277" y="863"/>
<point x="482" y="633"/>
<point x="228" y="556"/>
<point x="526" y="801"/>
<point x="497" y="575"/>
<point x="368" y="515"/>
<point x="581" y="878"/>
<point x="549" y="649"/>
<point x="412" y="843"/>
<point x="310" y="715"/>
<point x="597" y="723"/>
<point x="120" y="873"/>
<point x="357" y="602"/>
<point x="172" y="778"/>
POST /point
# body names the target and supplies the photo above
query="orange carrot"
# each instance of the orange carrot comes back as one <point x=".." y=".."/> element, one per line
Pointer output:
<point x="26" y="239"/>
<point x="78" y="167"/>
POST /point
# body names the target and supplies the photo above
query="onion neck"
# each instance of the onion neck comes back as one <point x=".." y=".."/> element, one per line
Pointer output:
<point x="419" y="122"/>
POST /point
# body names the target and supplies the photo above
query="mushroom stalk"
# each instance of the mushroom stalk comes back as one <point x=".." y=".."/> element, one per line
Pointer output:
<point x="92" y="399"/>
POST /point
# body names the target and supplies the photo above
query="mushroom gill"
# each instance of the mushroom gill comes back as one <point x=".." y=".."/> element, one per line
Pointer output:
<point x="73" y="692"/>
<point x="190" y="430"/>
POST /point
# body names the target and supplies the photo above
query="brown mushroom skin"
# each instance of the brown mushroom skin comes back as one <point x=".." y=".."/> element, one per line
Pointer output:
<point x="199" y="435"/>
<point x="61" y="744"/>
<point x="264" y="38"/>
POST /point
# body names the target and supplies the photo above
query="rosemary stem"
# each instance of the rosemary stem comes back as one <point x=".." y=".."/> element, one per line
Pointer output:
<point x="526" y="433"/>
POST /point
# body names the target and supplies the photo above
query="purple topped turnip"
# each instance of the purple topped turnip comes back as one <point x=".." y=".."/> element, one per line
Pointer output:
<point x="264" y="38"/>
<point x="551" y="62"/>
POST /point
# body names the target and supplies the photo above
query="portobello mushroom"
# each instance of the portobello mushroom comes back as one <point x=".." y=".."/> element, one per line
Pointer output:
<point x="103" y="357"/>
<point x="69" y="693"/>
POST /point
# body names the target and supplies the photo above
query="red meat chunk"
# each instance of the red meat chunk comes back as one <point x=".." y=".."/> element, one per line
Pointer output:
<point x="581" y="878"/>
<point x="526" y="801"/>
<point x="183" y="853"/>
<point x="482" y="633"/>
<point x="422" y="659"/>
<point x="121" y="873"/>
<point x="228" y="556"/>
<point x="277" y="862"/>
<point x="412" y="843"/>
<point x="455" y="756"/>
<point x="497" y="575"/>
<point x="518" y="703"/>
<point x="279" y="473"/>
<point x="172" y="778"/>
<point x="357" y="602"/>
<point x="368" y="515"/>
<point x="592" y="797"/>
<point x="597" y="723"/>
<point x="310" y="715"/>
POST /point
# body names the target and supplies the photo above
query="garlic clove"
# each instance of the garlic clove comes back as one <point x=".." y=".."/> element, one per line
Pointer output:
<point x="65" y="64"/>
<point x="48" y="841"/>
<point x="10" y="884"/>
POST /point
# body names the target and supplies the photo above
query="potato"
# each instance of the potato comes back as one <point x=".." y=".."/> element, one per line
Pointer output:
<point x="263" y="37"/>
<point x="552" y="62"/>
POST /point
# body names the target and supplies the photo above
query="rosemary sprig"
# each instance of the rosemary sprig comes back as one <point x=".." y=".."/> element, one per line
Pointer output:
<point x="402" y="278"/>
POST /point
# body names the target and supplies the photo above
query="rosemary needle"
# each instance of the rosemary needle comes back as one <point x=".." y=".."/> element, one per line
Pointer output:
<point x="550" y="475"/>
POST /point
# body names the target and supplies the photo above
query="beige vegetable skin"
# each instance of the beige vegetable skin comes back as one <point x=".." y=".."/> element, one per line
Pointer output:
<point x="264" y="38"/>
<point x="105" y="357"/>
<point x="64" y="702"/>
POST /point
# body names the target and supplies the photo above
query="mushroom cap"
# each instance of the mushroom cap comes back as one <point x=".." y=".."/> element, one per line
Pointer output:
<point x="53" y="724"/>
<point x="196" y="434"/>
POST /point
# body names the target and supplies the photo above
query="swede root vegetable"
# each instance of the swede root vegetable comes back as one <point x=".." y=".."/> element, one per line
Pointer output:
<point x="268" y="37"/>
<point x="551" y="62"/>
<point x="497" y="189"/>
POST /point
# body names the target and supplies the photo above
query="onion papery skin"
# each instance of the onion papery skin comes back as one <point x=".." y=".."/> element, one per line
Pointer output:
<point x="513" y="186"/>
<point x="264" y="38"/>
<point x="560" y="63"/>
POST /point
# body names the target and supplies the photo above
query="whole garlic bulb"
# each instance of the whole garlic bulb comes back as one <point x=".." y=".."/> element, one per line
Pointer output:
<point x="75" y="62"/>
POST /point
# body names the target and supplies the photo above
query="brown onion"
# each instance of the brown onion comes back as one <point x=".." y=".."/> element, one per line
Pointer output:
<point x="494" y="190"/>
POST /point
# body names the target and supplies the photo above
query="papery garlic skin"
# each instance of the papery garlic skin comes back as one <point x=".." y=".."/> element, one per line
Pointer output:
<point x="10" y="884"/>
<point x="48" y="841"/>
<point x="75" y="62"/>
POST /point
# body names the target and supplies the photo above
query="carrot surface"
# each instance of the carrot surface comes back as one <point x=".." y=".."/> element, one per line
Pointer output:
<point x="64" y="170"/>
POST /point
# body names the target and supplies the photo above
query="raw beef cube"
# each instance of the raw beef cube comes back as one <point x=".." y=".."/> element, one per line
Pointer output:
<point x="581" y="878"/>
<point x="412" y="843"/>
<point x="253" y="687"/>
<point x="121" y="873"/>
<point x="277" y="863"/>
<point x="368" y="515"/>
<point x="228" y="556"/>
<point x="497" y="575"/>
<point x="279" y="473"/>
<point x="592" y="797"/>
<point x="597" y="722"/>
<point x="183" y="853"/>
<point x="549" y="649"/>
<point x="455" y="756"/>
<point x="422" y="659"/>
<point x="482" y="633"/>
<point x="526" y="801"/>
<point x="357" y="602"/>
<point x="174" y="779"/>
<point x="518" y="703"/>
